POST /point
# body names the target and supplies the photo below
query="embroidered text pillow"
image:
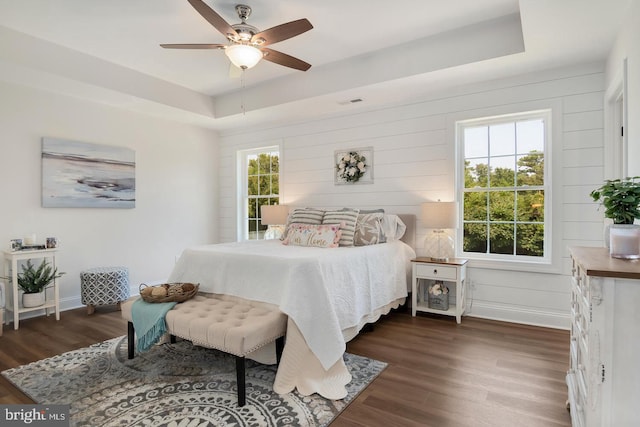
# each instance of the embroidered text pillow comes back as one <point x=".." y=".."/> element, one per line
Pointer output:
<point x="319" y="236"/>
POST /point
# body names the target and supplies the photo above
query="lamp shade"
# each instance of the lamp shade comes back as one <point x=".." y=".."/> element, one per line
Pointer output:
<point x="274" y="214"/>
<point x="243" y="56"/>
<point x="440" y="215"/>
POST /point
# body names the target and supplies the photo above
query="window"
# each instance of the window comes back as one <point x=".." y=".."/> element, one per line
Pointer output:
<point x="260" y="186"/>
<point x="504" y="187"/>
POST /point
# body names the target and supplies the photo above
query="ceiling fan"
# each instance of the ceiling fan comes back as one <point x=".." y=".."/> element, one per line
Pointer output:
<point x="246" y="44"/>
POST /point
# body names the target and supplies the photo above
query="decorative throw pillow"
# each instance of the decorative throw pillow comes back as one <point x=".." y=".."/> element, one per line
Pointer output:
<point x="348" y="219"/>
<point x="393" y="227"/>
<point x="319" y="236"/>
<point x="368" y="229"/>
<point x="303" y="216"/>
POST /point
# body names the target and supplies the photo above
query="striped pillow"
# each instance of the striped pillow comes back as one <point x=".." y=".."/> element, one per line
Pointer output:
<point x="303" y="216"/>
<point x="347" y="219"/>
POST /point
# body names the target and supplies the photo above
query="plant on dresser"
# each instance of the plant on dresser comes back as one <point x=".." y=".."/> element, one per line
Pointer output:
<point x="621" y="200"/>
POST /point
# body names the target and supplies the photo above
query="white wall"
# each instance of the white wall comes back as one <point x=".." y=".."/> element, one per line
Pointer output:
<point x="176" y="187"/>
<point x="414" y="162"/>
<point x="627" y="47"/>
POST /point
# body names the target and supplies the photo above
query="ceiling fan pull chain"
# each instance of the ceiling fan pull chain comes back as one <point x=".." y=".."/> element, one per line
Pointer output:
<point x="242" y="91"/>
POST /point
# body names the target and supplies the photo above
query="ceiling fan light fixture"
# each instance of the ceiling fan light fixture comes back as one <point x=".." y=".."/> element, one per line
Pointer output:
<point x="247" y="45"/>
<point x="243" y="56"/>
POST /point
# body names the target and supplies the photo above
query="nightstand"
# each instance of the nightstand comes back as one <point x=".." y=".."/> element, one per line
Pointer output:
<point x="453" y="273"/>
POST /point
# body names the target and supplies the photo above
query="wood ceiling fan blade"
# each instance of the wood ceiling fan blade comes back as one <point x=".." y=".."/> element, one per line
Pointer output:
<point x="282" y="32"/>
<point x="284" y="59"/>
<point x="193" y="46"/>
<point x="213" y="18"/>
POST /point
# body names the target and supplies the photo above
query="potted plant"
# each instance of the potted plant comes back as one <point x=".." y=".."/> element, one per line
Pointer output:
<point x="621" y="200"/>
<point x="33" y="281"/>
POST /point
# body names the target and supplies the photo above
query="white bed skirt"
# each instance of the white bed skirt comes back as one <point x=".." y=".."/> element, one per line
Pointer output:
<point x="300" y="368"/>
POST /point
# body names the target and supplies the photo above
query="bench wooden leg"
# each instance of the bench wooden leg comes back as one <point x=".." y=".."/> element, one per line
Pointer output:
<point x="130" y="340"/>
<point x="91" y="309"/>
<point x="279" y="348"/>
<point x="172" y="339"/>
<point x="240" y="379"/>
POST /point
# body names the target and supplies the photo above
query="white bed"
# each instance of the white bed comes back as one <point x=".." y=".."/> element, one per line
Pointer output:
<point x="328" y="294"/>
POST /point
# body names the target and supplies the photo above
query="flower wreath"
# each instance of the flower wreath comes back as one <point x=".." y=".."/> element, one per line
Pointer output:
<point x="351" y="167"/>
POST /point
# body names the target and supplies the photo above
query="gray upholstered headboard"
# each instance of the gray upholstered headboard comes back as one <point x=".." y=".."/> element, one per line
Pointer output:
<point x="410" y="235"/>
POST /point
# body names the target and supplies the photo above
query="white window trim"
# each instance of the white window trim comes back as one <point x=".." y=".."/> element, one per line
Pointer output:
<point x="242" y="184"/>
<point x="552" y="262"/>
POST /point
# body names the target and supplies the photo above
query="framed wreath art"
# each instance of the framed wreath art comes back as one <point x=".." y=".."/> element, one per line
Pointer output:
<point x="355" y="165"/>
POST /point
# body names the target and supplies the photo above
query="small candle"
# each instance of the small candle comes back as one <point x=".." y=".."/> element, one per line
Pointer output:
<point x="30" y="239"/>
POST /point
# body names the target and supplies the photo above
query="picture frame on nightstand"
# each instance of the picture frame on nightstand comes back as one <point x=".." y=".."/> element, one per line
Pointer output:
<point x="15" y="245"/>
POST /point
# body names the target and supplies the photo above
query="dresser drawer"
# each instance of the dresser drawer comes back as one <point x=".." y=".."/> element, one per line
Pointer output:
<point x="436" y="272"/>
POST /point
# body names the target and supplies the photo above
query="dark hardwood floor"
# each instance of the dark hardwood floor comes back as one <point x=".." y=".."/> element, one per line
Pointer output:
<point x="478" y="373"/>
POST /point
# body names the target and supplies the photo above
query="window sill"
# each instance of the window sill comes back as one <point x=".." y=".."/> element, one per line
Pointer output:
<point x="508" y="265"/>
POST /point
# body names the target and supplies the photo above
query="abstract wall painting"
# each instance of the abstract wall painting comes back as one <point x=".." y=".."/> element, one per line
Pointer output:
<point x="83" y="175"/>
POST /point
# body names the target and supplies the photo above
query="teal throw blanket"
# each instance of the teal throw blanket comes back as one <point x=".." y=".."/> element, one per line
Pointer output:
<point x="149" y="322"/>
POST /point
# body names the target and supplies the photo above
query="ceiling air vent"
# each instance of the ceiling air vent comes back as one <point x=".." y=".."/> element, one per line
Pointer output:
<point x="350" y="101"/>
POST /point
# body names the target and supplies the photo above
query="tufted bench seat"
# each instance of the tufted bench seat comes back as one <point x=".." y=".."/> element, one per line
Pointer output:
<point x="229" y="324"/>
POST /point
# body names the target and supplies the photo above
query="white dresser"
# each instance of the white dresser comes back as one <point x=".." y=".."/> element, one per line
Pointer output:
<point x="604" y="374"/>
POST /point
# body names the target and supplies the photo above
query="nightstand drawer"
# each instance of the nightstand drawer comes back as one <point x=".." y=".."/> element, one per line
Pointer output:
<point x="436" y="272"/>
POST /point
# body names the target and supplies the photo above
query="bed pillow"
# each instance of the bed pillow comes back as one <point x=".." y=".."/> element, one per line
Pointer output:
<point x="319" y="236"/>
<point x="303" y="216"/>
<point x="348" y="219"/>
<point x="393" y="227"/>
<point x="368" y="229"/>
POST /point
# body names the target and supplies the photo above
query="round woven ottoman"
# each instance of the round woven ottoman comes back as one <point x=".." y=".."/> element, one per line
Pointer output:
<point x="104" y="286"/>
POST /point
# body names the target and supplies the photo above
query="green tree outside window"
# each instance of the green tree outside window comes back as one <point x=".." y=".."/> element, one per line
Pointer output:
<point x="504" y="195"/>
<point x="263" y="188"/>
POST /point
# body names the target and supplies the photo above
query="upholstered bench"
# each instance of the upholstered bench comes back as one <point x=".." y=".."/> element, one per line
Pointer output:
<point x="226" y="323"/>
<point x="104" y="286"/>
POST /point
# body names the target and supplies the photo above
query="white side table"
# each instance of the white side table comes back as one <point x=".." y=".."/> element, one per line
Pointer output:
<point x="11" y="270"/>
<point x="452" y="272"/>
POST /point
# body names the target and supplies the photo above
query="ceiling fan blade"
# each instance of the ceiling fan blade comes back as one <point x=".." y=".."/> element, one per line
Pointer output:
<point x="213" y="18"/>
<point x="282" y="32"/>
<point x="193" y="46"/>
<point x="284" y="59"/>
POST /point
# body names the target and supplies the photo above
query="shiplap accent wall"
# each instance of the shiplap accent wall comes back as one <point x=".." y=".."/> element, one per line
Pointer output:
<point x="414" y="150"/>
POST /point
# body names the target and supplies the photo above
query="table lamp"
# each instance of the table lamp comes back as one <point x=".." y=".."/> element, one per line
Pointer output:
<point x="275" y="216"/>
<point x="440" y="216"/>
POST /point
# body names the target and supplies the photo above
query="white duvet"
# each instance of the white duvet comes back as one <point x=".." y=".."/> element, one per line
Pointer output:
<point x="323" y="290"/>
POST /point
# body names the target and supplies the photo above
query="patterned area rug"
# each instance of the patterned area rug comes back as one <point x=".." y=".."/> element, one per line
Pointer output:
<point x="175" y="385"/>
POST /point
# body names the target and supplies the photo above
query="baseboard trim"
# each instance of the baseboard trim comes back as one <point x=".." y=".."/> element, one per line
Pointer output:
<point x="70" y="303"/>
<point x="526" y="316"/>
